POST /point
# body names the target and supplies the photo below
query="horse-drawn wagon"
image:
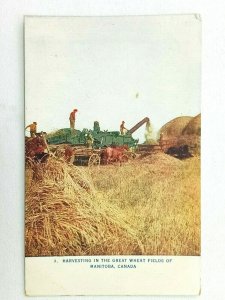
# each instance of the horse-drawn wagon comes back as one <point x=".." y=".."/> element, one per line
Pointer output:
<point x="83" y="156"/>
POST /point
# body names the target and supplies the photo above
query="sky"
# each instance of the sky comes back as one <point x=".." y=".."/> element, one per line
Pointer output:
<point x="111" y="69"/>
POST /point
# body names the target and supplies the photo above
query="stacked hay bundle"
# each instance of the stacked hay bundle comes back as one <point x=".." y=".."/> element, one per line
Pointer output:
<point x="191" y="134"/>
<point x="65" y="216"/>
<point x="182" y="131"/>
<point x="170" y="133"/>
<point x="193" y="127"/>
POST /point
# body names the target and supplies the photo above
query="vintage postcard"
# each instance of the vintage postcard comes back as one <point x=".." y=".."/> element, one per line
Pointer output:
<point x="112" y="155"/>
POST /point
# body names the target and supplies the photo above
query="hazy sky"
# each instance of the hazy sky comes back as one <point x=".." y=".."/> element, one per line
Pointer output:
<point x="111" y="69"/>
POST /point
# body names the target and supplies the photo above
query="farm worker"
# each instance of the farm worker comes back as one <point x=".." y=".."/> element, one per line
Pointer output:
<point x="72" y="119"/>
<point x="33" y="129"/>
<point x="89" y="140"/>
<point x="123" y="130"/>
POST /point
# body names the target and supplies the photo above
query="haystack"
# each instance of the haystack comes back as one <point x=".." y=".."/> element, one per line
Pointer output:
<point x="66" y="216"/>
<point x="174" y="128"/>
<point x="182" y="131"/>
<point x="193" y="127"/>
<point x="191" y="135"/>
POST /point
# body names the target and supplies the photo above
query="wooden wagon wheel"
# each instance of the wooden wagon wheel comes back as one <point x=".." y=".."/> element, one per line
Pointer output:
<point x="131" y="155"/>
<point x="125" y="158"/>
<point x="94" y="160"/>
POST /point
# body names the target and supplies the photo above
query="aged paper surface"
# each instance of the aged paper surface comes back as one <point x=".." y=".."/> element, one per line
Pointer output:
<point x="113" y="130"/>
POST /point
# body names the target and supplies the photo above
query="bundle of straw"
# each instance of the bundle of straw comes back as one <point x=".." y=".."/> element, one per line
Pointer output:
<point x="64" y="215"/>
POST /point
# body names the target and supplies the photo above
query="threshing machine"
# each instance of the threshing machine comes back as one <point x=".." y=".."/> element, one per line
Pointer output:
<point x="101" y="138"/>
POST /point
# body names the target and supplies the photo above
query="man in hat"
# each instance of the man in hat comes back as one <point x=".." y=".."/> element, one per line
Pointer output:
<point x="33" y="129"/>
<point x="72" y="119"/>
<point x="123" y="130"/>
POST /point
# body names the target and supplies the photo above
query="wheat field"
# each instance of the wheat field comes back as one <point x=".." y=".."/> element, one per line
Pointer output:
<point x="148" y="206"/>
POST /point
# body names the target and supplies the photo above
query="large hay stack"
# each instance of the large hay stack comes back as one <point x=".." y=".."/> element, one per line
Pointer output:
<point x="191" y="134"/>
<point x="182" y="131"/>
<point x="170" y="132"/>
<point x="174" y="128"/>
<point x="193" y="127"/>
<point x="66" y="216"/>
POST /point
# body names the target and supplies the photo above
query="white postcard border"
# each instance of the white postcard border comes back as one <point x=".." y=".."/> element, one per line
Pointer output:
<point x="73" y="275"/>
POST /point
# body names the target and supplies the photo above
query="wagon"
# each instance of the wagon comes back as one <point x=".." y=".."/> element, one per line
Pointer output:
<point x="145" y="149"/>
<point x="81" y="155"/>
<point x="87" y="157"/>
<point x="94" y="157"/>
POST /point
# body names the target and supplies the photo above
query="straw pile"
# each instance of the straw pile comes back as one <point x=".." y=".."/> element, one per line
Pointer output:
<point x="66" y="216"/>
<point x="162" y="160"/>
<point x="182" y="131"/>
<point x="193" y="127"/>
<point x="191" y="135"/>
<point x="174" y="127"/>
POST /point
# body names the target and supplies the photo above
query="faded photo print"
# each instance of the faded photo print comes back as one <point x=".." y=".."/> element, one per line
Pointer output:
<point x="112" y="135"/>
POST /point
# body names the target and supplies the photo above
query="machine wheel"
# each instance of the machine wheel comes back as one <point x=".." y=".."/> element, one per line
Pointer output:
<point x="132" y="155"/>
<point x="125" y="158"/>
<point x="94" y="160"/>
